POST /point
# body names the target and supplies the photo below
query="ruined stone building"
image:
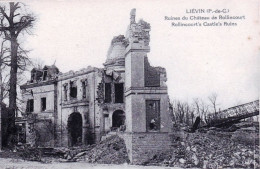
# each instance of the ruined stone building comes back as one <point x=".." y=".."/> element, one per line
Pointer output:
<point x="79" y="107"/>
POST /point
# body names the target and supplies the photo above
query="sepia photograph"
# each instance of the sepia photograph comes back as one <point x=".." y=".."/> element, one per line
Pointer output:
<point x="129" y="84"/>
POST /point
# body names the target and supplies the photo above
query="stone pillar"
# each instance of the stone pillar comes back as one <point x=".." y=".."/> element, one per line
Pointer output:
<point x="134" y="83"/>
<point x="141" y="142"/>
<point x="84" y="134"/>
<point x="85" y="128"/>
<point x="68" y="91"/>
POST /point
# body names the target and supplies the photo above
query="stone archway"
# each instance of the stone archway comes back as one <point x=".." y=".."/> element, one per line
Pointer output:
<point x="118" y="118"/>
<point x="75" y="129"/>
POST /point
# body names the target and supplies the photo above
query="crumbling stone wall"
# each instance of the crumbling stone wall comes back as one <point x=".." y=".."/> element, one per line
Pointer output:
<point x="60" y="104"/>
<point x="127" y="68"/>
<point x="37" y="131"/>
<point x="87" y="106"/>
<point x="144" y="146"/>
<point x="147" y="109"/>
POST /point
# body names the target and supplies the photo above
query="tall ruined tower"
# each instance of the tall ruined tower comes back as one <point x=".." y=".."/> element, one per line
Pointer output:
<point x="146" y="99"/>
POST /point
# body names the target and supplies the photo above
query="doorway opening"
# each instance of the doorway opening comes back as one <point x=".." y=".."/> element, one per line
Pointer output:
<point x="118" y="119"/>
<point x="75" y="129"/>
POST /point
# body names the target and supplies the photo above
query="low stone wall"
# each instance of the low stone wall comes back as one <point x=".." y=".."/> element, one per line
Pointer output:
<point x="144" y="146"/>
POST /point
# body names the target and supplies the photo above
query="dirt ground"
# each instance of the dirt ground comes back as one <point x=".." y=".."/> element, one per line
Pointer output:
<point x="8" y="163"/>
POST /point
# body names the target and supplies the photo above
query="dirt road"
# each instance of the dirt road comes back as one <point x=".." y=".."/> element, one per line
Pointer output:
<point x="7" y="163"/>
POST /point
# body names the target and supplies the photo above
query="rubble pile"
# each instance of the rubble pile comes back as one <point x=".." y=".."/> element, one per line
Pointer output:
<point x="214" y="148"/>
<point x="72" y="154"/>
<point x="233" y="147"/>
<point x="246" y="133"/>
<point x="110" y="151"/>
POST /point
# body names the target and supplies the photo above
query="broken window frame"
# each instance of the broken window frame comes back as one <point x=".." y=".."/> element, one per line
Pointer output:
<point x="84" y="88"/>
<point x="119" y="97"/>
<point x="30" y="106"/>
<point x="45" y="74"/>
<point x="36" y="76"/>
<point x="21" y="132"/>
<point x="153" y="121"/>
<point x="33" y="77"/>
<point x="73" y="90"/>
<point x="43" y="104"/>
<point x="108" y="92"/>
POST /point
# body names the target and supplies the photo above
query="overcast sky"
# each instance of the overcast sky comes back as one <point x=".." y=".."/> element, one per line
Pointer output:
<point x="198" y="60"/>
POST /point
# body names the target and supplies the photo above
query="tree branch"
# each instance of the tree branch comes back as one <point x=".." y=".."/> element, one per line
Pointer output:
<point x="2" y="11"/>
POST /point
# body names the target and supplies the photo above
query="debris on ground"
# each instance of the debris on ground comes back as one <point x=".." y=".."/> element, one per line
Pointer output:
<point x="110" y="151"/>
<point x="234" y="147"/>
<point x="214" y="148"/>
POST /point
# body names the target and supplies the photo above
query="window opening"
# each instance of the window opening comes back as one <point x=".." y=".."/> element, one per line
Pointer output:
<point x="108" y="93"/>
<point x="45" y="75"/>
<point x="119" y="93"/>
<point x="30" y="105"/>
<point x="73" y="90"/>
<point x="84" y="89"/>
<point x="43" y="103"/>
<point x="153" y="115"/>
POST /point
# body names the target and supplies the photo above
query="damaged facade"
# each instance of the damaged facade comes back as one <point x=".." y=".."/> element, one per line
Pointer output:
<point x="79" y="107"/>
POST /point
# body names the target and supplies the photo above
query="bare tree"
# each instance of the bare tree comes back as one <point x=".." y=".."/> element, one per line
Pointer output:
<point x="176" y="110"/>
<point x="196" y="105"/>
<point x="192" y="115"/>
<point x="173" y="107"/>
<point x="182" y="112"/>
<point x="201" y="109"/>
<point x="213" y="102"/>
<point x="204" y="109"/>
<point x="11" y="26"/>
<point x="3" y="64"/>
<point x="189" y="113"/>
<point x="37" y="63"/>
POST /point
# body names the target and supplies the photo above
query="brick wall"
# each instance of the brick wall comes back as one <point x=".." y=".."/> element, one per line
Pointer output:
<point x="143" y="146"/>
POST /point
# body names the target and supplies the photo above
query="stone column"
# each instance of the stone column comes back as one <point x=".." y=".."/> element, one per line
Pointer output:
<point x="84" y="130"/>
<point x="68" y="91"/>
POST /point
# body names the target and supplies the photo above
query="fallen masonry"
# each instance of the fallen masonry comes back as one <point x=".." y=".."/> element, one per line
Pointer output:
<point x="110" y="151"/>
<point x="214" y="148"/>
<point x="206" y="148"/>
